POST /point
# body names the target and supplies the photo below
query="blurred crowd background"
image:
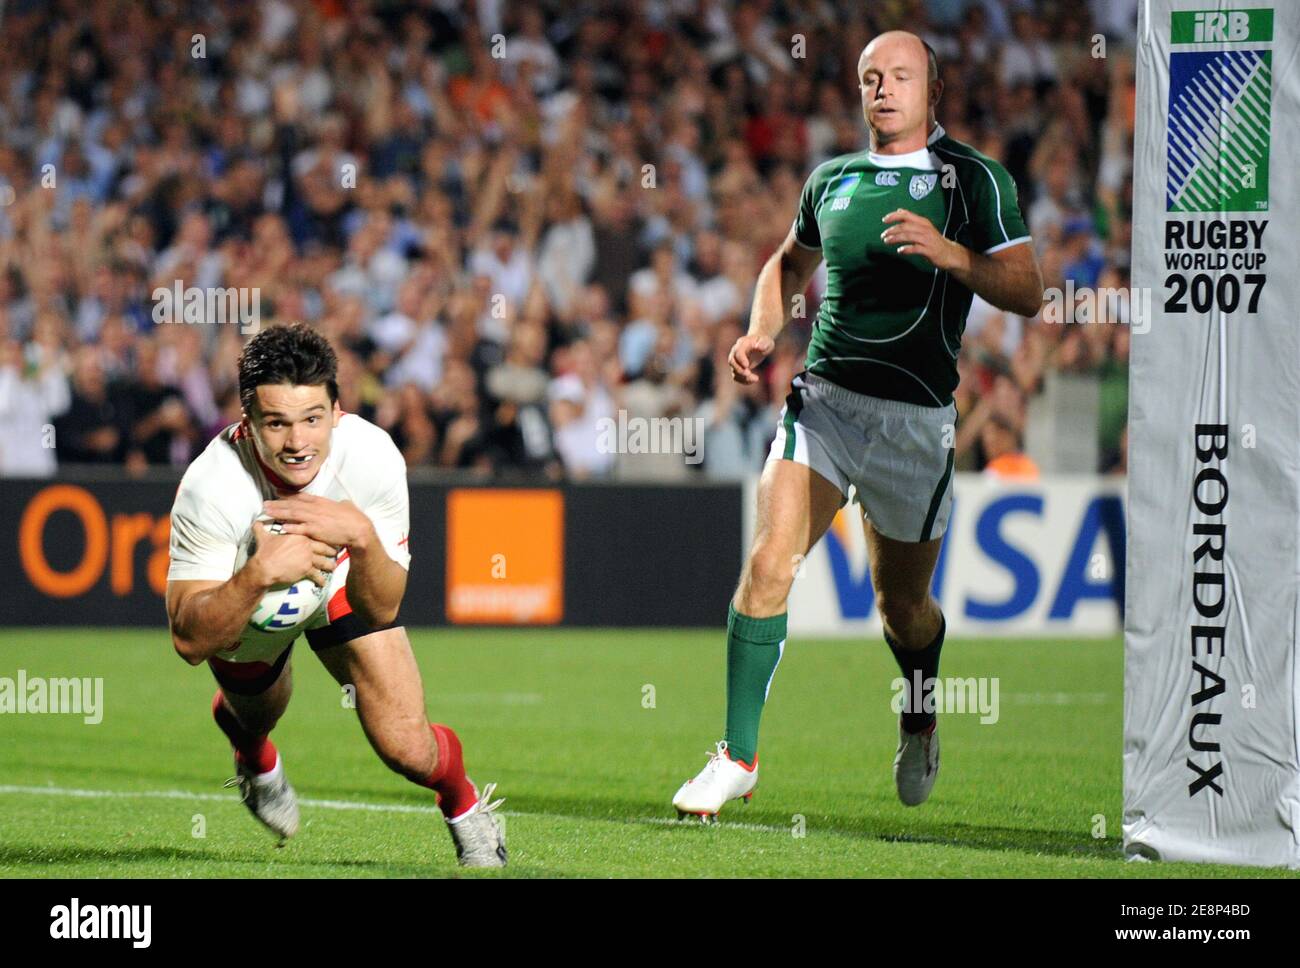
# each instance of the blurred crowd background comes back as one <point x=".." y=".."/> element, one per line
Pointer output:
<point x="512" y="219"/>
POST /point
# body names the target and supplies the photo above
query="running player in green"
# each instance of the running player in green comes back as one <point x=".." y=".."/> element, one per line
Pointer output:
<point x="909" y="230"/>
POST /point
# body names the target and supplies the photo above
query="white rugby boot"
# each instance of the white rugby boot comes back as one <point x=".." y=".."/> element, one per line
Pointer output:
<point x="721" y="780"/>
<point x="916" y="765"/>
<point x="477" y="833"/>
<point x="269" y="797"/>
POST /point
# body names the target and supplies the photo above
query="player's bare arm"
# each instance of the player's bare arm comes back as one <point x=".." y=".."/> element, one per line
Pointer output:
<point x="376" y="583"/>
<point x="290" y="579"/>
<point x="784" y="276"/>
<point x="1009" y="279"/>
<point x="206" y="616"/>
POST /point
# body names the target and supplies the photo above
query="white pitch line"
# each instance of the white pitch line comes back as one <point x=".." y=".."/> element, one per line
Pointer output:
<point x="355" y="805"/>
<point x="1058" y="698"/>
<point x="219" y="797"/>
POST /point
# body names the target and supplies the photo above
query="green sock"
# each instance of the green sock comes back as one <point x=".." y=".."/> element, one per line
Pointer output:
<point x="754" y="647"/>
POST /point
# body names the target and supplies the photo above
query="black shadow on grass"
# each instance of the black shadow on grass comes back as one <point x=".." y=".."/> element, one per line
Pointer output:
<point x="1062" y="843"/>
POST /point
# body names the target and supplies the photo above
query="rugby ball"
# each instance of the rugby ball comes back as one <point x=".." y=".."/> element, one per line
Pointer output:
<point x="284" y="607"/>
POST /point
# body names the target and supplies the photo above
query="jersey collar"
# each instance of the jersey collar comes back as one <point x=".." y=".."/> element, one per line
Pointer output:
<point x="920" y="158"/>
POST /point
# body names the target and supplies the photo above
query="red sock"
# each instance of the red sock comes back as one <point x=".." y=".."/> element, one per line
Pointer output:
<point x="455" y="792"/>
<point x="256" y="751"/>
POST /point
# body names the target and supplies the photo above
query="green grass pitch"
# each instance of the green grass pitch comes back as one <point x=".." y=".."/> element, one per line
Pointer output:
<point x="588" y="758"/>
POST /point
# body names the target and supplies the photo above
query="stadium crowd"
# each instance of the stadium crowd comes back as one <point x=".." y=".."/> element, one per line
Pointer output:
<point x="513" y="220"/>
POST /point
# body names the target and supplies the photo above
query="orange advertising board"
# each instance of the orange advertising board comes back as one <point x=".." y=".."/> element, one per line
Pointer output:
<point x="110" y="544"/>
<point x="505" y="556"/>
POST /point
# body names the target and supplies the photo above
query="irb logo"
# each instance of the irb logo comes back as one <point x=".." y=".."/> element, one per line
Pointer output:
<point x="1221" y="26"/>
<point x="1218" y="134"/>
<point x="1214" y="26"/>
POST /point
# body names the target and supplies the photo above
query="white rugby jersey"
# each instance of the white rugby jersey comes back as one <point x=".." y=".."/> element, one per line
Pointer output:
<point x="222" y="492"/>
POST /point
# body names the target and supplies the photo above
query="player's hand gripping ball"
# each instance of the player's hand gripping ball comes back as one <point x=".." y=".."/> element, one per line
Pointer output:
<point x="284" y="607"/>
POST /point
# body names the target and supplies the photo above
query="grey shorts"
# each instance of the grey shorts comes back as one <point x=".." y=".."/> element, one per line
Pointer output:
<point x="897" y="457"/>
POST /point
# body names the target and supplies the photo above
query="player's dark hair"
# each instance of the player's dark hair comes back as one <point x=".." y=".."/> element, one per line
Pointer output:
<point x="295" y="354"/>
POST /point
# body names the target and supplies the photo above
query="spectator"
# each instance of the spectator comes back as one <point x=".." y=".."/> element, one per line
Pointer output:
<point x="33" y="391"/>
<point x="160" y="426"/>
<point x="568" y="254"/>
<point x="506" y="265"/>
<point x="91" y="431"/>
<point x="1004" y="457"/>
<point x="474" y="231"/>
<point x="577" y="437"/>
<point x="737" y="428"/>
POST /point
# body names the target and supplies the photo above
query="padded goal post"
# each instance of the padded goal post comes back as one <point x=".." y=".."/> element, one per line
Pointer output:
<point x="1211" y="761"/>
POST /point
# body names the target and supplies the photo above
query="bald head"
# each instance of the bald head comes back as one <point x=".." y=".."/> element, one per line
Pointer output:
<point x="905" y="44"/>
<point x="898" y="75"/>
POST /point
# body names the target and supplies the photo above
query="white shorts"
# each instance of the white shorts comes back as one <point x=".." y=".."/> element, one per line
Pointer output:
<point x="897" y="457"/>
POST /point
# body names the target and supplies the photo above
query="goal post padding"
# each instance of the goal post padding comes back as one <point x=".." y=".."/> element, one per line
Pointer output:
<point x="1211" y="770"/>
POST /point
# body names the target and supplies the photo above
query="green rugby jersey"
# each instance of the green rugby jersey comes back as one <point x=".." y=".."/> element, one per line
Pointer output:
<point x="890" y="325"/>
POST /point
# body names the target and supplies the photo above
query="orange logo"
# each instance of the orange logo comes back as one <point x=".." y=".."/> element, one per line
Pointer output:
<point x="110" y="545"/>
<point x="505" y="556"/>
